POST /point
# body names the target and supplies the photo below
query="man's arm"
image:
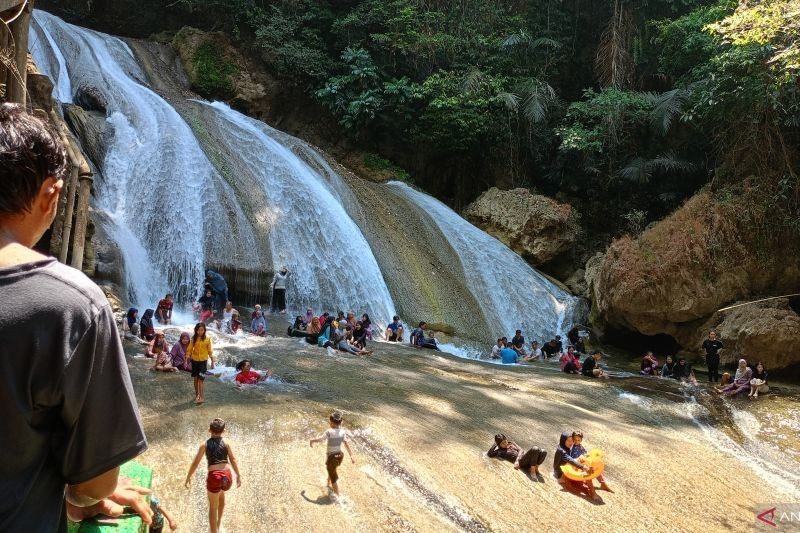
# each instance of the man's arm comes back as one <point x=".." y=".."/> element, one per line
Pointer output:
<point x="197" y="458"/>
<point x="90" y="492"/>
<point x="173" y="525"/>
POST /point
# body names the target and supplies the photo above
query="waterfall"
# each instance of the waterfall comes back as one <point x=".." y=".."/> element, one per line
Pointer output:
<point x="157" y="183"/>
<point x="310" y="233"/>
<point x="511" y="294"/>
<point x="205" y="185"/>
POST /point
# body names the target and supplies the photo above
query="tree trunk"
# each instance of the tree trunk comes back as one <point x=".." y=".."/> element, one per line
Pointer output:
<point x="18" y="79"/>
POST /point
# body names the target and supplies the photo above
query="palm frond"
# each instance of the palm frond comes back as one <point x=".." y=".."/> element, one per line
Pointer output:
<point x="637" y="170"/>
<point x="670" y="162"/>
<point x="539" y="97"/>
<point x="667" y="106"/>
<point x="510" y="101"/>
<point x="472" y="81"/>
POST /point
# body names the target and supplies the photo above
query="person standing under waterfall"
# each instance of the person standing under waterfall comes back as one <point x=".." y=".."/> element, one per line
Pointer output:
<point x="279" y="290"/>
<point x="220" y="288"/>
<point x="70" y="417"/>
<point x="712" y="346"/>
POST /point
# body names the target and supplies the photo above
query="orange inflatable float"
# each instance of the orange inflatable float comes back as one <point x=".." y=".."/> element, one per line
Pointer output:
<point x="594" y="459"/>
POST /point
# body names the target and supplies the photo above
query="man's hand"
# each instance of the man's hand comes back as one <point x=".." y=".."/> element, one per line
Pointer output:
<point x="114" y="505"/>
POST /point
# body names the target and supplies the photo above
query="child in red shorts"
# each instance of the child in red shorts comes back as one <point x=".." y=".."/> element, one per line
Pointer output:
<point x="218" y="454"/>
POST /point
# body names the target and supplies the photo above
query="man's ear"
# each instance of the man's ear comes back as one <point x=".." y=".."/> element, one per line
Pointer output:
<point x="47" y="199"/>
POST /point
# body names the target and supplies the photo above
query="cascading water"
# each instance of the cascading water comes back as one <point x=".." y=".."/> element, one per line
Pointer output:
<point x="172" y="210"/>
<point x="512" y="295"/>
<point x="156" y="180"/>
<point x="331" y="261"/>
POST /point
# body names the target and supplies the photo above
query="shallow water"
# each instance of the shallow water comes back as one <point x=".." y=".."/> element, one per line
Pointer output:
<point x="423" y="421"/>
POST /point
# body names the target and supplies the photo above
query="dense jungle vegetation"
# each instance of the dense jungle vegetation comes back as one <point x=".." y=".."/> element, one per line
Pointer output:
<point x="624" y="108"/>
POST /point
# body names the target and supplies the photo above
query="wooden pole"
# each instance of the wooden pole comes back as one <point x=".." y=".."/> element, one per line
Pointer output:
<point x="4" y="44"/>
<point x="19" y="31"/>
<point x="81" y="215"/>
<point x="72" y="186"/>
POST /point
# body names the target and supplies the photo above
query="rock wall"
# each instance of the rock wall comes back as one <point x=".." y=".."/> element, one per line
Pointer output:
<point x="709" y="253"/>
<point x="535" y="226"/>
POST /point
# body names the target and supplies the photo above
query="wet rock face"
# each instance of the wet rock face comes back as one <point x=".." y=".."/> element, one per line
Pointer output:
<point x="91" y="99"/>
<point x="674" y="277"/>
<point x="535" y="226"/>
<point x="91" y="129"/>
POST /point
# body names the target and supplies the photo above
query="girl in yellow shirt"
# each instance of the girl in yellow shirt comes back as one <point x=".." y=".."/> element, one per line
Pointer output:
<point x="199" y="351"/>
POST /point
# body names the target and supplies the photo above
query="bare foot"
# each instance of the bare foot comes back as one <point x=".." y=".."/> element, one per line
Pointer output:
<point x="606" y="488"/>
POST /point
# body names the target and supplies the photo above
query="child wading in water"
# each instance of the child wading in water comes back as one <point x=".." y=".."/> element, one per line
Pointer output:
<point x="218" y="453"/>
<point x="336" y="436"/>
<point x="199" y="352"/>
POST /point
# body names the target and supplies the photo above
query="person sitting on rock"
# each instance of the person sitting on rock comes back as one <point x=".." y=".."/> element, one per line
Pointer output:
<point x="649" y="365"/>
<point x="394" y="331"/>
<point x="499" y="345"/>
<point x="366" y="323"/>
<point x="156" y="346"/>
<point x="359" y="335"/>
<point x="164" y="310"/>
<point x="551" y="349"/>
<point x="236" y="322"/>
<point x="227" y="315"/>
<point x="417" y="338"/>
<point x="146" y="329"/>
<point x="178" y="353"/>
<point x="509" y="451"/>
<point x="509" y="356"/>
<point x="591" y="366"/>
<point x="132" y="320"/>
<point x="741" y="380"/>
<point x="343" y="340"/>
<point x="683" y="372"/>
<point x="668" y="368"/>
<point x="536" y="352"/>
<point x="579" y="452"/>
<point x="569" y="362"/>
<point x="206" y="306"/>
<point x="313" y="330"/>
<point x="759" y="381"/>
<point x="563" y="457"/>
<point x="258" y="326"/>
<point x="255" y="310"/>
<point x="518" y="343"/>
<point x="430" y="341"/>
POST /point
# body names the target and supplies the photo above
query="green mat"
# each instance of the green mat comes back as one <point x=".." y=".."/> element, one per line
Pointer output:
<point x="139" y="475"/>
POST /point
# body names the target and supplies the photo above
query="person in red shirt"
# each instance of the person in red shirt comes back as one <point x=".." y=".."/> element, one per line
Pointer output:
<point x="247" y="376"/>
<point x="164" y="310"/>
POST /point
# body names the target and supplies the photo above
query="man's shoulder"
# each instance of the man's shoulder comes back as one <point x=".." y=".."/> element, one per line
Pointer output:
<point x="63" y="287"/>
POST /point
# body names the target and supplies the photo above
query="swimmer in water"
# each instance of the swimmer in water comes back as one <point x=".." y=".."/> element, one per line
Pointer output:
<point x="336" y="436"/>
<point x="218" y="454"/>
<point x="247" y="376"/>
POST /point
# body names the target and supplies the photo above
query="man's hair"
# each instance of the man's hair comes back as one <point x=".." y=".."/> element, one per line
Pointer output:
<point x="421" y="324"/>
<point x="395" y="317"/>
<point x="30" y="152"/>
<point x="217" y="425"/>
<point x="597" y="352"/>
<point x="336" y="417"/>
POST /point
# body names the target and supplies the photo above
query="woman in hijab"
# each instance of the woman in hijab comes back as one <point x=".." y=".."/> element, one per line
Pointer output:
<point x="308" y="317"/>
<point x="178" y="353"/>
<point x="562" y="457"/>
<point x="132" y="319"/>
<point x="741" y="381"/>
<point x="313" y="330"/>
<point x="366" y="323"/>
<point x="146" y="328"/>
<point x="157" y="346"/>
<point x="360" y="335"/>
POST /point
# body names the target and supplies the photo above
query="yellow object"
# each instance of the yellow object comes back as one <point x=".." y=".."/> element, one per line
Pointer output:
<point x="201" y="350"/>
<point x="594" y="459"/>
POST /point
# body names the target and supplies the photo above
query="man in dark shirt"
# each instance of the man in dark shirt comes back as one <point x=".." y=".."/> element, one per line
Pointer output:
<point x="510" y="451"/>
<point x="591" y="366"/>
<point x="712" y="346"/>
<point x="69" y="415"/>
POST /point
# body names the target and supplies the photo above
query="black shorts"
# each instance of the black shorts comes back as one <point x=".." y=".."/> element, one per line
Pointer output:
<point x="333" y="462"/>
<point x="199" y="367"/>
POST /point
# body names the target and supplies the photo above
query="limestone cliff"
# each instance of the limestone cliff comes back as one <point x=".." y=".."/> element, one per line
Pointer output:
<point x="713" y="251"/>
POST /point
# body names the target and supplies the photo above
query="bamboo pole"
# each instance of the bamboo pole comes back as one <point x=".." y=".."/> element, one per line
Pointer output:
<point x="72" y="186"/>
<point x="19" y="31"/>
<point x="81" y="215"/>
<point x="4" y="44"/>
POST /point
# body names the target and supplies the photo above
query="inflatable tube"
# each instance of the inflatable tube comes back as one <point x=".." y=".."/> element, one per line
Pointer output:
<point x="594" y="459"/>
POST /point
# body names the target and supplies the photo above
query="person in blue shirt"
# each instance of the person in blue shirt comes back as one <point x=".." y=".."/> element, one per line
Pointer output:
<point x="508" y="356"/>
<point x="394" y="331"/>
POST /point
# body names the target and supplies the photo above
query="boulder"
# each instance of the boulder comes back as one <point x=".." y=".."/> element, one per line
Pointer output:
<point x="675" y="276"/>
<point x="535" y="226"/>
<point x="91" y="98"/>
<point x="242" y="89"/>
<point x="91" y="129"/>
<point x="764" y="331"/>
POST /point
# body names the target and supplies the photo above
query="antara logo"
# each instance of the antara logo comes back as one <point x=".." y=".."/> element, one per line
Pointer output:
<point x="779" y="516"/>
<point x="768" y="517"/>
